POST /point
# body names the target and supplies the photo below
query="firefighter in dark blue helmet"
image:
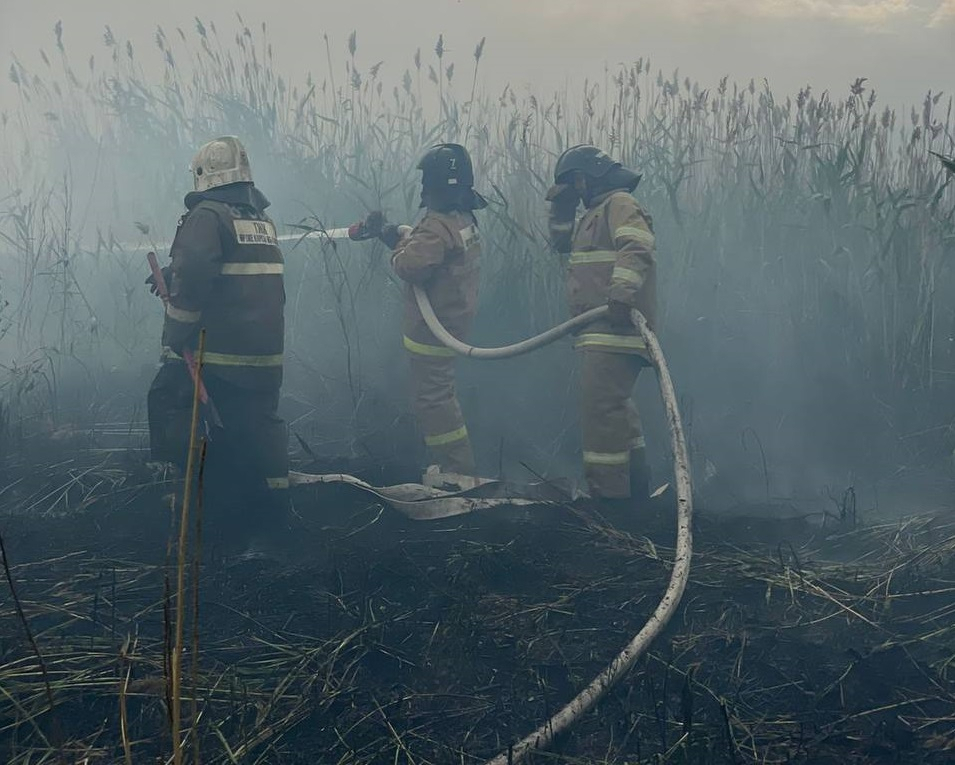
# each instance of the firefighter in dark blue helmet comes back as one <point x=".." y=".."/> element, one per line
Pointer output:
<point x="611" y="262"/>
<point x="441" y="255"/>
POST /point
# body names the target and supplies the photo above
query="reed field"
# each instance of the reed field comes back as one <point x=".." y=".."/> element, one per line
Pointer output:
<point x="804" y="243"/>
<point x="803" y="239"/>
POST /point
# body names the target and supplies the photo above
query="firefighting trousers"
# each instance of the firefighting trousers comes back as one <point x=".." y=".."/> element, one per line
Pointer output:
<point x="246" y="463"/>
<point x="614" y="452"/>
<point x="438" y="413"/>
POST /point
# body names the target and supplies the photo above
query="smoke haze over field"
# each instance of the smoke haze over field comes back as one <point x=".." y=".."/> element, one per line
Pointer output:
<point x="904" y="47"/>
<point x="804" y="240"/>
<point x="790" y="237"/>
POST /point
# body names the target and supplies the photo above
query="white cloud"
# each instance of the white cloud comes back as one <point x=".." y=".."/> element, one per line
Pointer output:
<point x="865" y="13"/>
<point x="944" y="14"/>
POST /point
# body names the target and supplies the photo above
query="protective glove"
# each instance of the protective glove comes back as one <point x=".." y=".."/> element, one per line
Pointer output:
<point x="390" y="235"/>
<point x="375" y="226"/>
<point x="369" y="228"/>
<point x="166" y="276"/>
<point x="618" y="314"/>
<point x="564" y="200"/>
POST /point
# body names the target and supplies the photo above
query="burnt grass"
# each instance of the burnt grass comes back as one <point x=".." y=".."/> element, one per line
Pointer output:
<point x="370" y="638"/>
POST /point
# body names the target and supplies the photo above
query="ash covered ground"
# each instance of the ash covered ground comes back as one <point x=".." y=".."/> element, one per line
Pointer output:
<point x="801" y="638"/>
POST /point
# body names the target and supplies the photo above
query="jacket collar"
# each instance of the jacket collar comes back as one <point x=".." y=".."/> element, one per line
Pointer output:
<point x="231" y="194"/>
<point x="601" y="198"/>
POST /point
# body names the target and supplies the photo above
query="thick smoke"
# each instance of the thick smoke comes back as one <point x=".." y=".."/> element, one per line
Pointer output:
<point x="802" y="243"/>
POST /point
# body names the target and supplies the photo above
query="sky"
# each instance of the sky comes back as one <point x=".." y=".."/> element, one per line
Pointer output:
<point x="903" y="47"/>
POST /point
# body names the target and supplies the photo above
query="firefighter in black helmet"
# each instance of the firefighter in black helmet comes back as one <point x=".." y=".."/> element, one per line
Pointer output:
<point x="611" y="262"/>
<point x="441" y="256"/>
<point x="447" y="180"/>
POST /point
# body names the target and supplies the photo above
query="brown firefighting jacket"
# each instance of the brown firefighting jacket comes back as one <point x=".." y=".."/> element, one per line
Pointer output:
<point x="440" y="255"/>
<point x="227" y="276"/>
<point x="611" y="257"/>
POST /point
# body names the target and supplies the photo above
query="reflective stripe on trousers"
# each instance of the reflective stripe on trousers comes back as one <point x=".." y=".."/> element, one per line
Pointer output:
<point x="609" y="420"/>
<point x="443" y="439"/>
<point x="614" y="458"/>
<point x="619" y="343"/>
<point x="607" y="458"/>
<point x="438" y="413"/>
<point x="242" y="360"/>
<point x="423" y="349"/>
<point x="231" y="359"/>
<point x="182" y="315"/>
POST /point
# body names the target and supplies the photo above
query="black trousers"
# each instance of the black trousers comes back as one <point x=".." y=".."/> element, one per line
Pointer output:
<point x="246" y="467"/>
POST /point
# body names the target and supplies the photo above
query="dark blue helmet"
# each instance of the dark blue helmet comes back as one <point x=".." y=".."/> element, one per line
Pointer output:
<point x="586" y="159"/>
<point x="447" y="176"/>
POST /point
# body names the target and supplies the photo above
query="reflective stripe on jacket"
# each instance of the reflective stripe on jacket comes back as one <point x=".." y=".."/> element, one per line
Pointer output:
<point x="227" y="276"/>
<point x="611" y="257"/>
<point x="441" y="255"/>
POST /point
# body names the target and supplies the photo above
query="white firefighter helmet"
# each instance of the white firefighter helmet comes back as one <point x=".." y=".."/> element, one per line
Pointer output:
<point x="221" y="162"/>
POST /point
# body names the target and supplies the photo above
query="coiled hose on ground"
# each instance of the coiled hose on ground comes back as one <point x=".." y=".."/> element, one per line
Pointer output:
<point x="621" y="664"/>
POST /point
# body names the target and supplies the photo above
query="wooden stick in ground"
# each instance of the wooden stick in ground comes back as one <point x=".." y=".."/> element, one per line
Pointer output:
<point x="196" y="552"/>
<point x="167" y="615"/>
<point x="622" y="662"/>
<point x="129" y="648"/>
<point x="181" y="560"/>
<point x="124" y="718"/>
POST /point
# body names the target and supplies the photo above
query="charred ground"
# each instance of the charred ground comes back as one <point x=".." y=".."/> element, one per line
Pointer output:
<point x="376" y="639"/>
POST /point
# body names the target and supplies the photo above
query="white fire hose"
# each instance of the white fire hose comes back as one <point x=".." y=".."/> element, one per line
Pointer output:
<point x="544" y="736"/>
<point x="503" y="352"/>
<point x="506" y="351"/>
<point x="621" y="664"/>
<point x="584" y="701"/>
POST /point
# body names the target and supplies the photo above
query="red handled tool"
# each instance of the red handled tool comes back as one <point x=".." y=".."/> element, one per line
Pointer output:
<point x="190" y="360"/>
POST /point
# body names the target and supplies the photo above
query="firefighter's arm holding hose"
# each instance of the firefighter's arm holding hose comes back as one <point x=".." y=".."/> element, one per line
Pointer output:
<point x="421" y="251"/>
<point x="632" y="232"/>
<point x="416" y="252"/>
<point x="376" y="226"/>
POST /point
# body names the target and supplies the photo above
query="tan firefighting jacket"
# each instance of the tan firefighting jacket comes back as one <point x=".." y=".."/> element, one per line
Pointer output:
<point x="227" y="276"/>
<point x="611" y="257"/>
<point x="441" y="255"/>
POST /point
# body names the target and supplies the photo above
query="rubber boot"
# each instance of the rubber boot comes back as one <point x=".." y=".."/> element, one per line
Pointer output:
<point x="269" y="527"/>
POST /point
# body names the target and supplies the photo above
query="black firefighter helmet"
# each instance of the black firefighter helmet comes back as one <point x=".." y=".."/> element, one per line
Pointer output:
<point x="447" y="175"/>
<point x="594" y="163"/>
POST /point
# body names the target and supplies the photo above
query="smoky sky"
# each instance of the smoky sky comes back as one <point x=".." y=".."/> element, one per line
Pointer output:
<point x="903" y="47"/>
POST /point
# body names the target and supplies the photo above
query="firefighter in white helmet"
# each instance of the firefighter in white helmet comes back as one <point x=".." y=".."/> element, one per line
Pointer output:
<point x="226" y="276"/>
